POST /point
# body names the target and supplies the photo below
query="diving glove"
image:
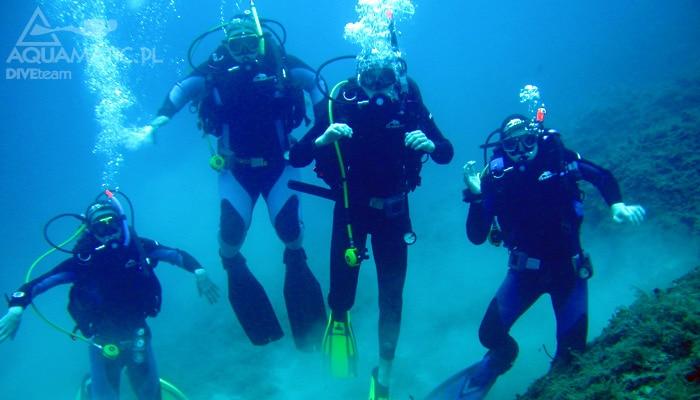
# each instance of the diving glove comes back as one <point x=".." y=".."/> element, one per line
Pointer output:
<point x="472" y="178"/>
<point x="205" y="286"/>
<point x="623" y="213"/>
<point x="10" y="323"/>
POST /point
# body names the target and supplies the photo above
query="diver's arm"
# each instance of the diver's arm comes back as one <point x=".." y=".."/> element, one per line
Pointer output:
<point x="184" y="260"/>
<point x="444" y="151"/>
<point x="22" y="298"/>
<point x="305" y="77"/>
<point x="302" y="152"/>
<point x="476" y="194"/>
<point x="61" y="274"/>
<point x="177" y="257"/>
<point x="478" y="223"/>
<point x="602" y="179"/>
<point x="189" y="89"/>
<point x="608" y="187"/>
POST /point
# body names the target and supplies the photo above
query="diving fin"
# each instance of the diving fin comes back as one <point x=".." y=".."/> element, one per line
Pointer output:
<point x="468" y="384"/>
<point x="339" y="347"/>
<point x="377" y="391"/>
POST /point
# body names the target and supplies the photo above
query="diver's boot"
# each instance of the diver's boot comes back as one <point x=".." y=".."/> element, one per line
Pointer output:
<point x="339" y="346"/>
<point x="250" y="303"/>
<point x="377" y="391"/>
<point x="304" y="299"/>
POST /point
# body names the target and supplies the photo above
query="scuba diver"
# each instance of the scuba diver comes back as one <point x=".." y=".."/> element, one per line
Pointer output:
<point x="370" y="149"/>
<point x="527" y="197"/>
<point x="250" y="96"/>
<point x="114" y="290"/>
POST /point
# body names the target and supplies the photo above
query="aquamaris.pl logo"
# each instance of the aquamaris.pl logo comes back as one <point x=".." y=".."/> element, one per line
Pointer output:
<point x="40" y="55"/>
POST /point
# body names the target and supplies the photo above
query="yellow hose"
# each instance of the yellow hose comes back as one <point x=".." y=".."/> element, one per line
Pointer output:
<point x="28" y="277"/>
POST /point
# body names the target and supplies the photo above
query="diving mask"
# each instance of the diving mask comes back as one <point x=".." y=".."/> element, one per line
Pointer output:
<point x="377" y="78"/>
<point x="525" y="141"/>
<point x="243" y="44"/>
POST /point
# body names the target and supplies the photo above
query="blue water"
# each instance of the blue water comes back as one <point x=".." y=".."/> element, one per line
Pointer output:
<point x="470" y="59"/>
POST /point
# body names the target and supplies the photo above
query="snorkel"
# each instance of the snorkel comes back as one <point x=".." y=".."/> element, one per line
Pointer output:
<point x="118" y="206"/>
<point x="258" y="27"/>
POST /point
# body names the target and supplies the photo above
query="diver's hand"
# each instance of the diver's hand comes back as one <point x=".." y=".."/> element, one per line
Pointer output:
<point x="136" y="137"/>
<point x="333" y="133"/>
<point x="205" y="286"/>
<point x="472" y="178"/>
<point x="10" y="323"/>
<point x="417" y="140"/>
<point x="623" y="213"/>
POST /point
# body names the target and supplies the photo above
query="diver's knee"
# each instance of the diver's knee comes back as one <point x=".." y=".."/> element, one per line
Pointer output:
<point x="232" y="230"/>
<point x="492" y="332"/>
<point x="287" y="223"/>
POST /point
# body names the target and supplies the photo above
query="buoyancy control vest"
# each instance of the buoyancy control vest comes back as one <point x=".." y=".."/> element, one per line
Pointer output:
<point x="379" y="132"/>
<point x="250" y="97"/>
<point x="114" y="288"/>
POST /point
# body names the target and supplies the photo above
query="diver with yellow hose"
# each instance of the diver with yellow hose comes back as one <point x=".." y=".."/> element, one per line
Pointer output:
<point x="114" y="290"/>
<point x="370" y="149"/>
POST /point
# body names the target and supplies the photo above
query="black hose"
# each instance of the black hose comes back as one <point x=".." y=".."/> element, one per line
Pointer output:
<point x="488" y="144"/>
<point x="318" y="79"/>
<point x="52" y="220"/>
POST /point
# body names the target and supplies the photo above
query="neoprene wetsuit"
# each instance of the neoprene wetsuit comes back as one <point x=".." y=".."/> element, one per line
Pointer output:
<point x="113" y="292"/>
<point x="538" y="207"/>
<point x="381" y="171"/>
<point x="251" y="110"/>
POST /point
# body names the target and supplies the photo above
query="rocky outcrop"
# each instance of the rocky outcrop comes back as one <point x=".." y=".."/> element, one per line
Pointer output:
<point x="650" y="350"/>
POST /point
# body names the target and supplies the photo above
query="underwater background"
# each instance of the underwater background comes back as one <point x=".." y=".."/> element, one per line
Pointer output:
<point x="594" y="62"/>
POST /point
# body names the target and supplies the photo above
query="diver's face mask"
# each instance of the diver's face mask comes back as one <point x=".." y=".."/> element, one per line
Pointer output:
<point x="377" y="79"/>
<point x="244" y="48"/>
<point x="521" y="145"/>
<point x="380" y="86"/>
<point x="107" y="229"/>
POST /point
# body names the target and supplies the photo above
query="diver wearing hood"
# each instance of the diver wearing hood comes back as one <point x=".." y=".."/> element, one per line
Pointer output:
<point x="250" y="96"/>
<point x="114" y="290"/>
<point x="529" y="191"/>
<point x="384" y="132"/>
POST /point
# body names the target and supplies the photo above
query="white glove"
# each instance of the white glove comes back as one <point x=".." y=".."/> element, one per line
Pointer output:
<point x="472" y="178"/>
<point x="624" y="213"/>
<point x="417" y="140"/>
<point x="205" y="286"/>
<point x="333" y="133"/>
<point x="134" y="138"/>
<point x="10" y="323"/>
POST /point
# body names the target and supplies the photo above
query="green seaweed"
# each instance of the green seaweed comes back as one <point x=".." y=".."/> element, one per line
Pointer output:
<point x="646" y="352"/>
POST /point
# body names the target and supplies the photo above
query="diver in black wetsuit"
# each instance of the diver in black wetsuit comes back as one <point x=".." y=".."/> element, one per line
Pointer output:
<point x="251" y="96"/>
<point x="114" y="290"/>
<point x="384" y="133"/>
<point x="529" y="195"/>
